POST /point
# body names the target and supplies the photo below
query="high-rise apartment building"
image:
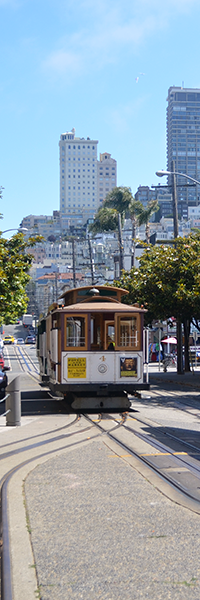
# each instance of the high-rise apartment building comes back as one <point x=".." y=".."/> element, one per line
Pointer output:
<point x="80" y="177"/>
<point x="106" y="175"/>
<point x="183" y="143"/>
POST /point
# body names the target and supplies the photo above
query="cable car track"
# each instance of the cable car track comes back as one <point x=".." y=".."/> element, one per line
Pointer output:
<point x="165" y="397"/>
<point x="26" y="362"/>
<point x="178" y="461"/>
<point x="6" y="576"/>
<point x="120" y="425"/>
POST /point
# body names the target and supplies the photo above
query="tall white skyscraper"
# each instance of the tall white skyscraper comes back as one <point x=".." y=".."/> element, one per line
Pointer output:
<point x="84" y="181"/>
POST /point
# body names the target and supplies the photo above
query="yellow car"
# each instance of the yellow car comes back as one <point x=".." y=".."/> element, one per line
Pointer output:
<point x="8" y="339"/>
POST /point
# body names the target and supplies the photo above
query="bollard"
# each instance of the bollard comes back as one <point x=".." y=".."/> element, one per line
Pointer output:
<point x="13" y="403"/>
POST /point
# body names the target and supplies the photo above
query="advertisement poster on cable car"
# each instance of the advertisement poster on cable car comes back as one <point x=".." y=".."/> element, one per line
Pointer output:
<point x="128" y="366"/>
<point x="76" y="368"/>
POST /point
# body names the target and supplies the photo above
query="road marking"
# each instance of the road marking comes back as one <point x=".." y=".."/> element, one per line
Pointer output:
<point x="119" y="455"/>
<point x="166" y="454"/>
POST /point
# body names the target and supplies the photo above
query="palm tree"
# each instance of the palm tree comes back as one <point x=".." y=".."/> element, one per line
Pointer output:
<point x="110" y="216"/>
<point x="108" y="219"/>
<point x="144" y="215"/>
<point x="119" y="198"/>
<point x="134" y="207"/>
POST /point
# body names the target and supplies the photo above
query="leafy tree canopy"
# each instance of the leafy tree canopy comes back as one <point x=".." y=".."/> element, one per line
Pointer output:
<point x="167" y="282"/>
<point x="15" y="262"/>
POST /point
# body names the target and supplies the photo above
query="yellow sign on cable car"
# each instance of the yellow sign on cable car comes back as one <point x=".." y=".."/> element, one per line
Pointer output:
<point x="76" y="368"/>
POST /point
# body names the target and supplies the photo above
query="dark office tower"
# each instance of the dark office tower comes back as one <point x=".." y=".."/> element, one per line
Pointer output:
<point x="183" y="143"/>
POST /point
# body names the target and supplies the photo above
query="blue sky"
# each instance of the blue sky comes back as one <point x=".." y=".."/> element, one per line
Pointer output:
<point x="67" y="63"/>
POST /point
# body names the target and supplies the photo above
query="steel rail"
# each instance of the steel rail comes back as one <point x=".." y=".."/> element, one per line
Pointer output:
<point x="6" y="574"/>
<point x="162" y="429"/>
<point x="147" y="462"/>
<point x="26" y="359"/>
<point x="162" y="447"/>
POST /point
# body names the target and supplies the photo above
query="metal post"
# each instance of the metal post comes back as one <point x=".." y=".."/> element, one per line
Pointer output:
<point x="195" y="345"/>
<point x="73" y="259"/>
<point x="91" y="259"/>
<point x="121" y="263"/>
<point x="13" y="403"/>
<point x="159" y="340"/>
<point x="147" y="355"/>
<point x="174" y="198"/>
<point x="179" y="348"/>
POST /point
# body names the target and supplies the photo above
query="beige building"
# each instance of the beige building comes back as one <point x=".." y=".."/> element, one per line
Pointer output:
<point x="106" y="175"/>
<point x="84" y="181"/>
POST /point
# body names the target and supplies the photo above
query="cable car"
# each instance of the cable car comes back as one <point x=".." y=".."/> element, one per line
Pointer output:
<point x="90" y="349"/>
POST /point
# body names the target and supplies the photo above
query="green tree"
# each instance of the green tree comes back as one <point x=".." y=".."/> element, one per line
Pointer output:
<point x="144" y="215"/>
<point x="120" y="199"/>
<point x="167" y="283"/>
<point x="106" y="219"/>
<point x="15" y="262"/>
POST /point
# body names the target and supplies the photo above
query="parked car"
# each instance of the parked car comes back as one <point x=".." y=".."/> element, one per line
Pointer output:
<point x="2" y="362"/>
<point x="8" y="339"/>
<point x="20" y="341"/>
<point x="3" y="381"/>
<point x="30" y="339"/>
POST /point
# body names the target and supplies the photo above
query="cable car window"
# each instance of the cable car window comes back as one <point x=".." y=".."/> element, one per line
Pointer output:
<point x="75" y="332"/>
<point x="127" y="332"/>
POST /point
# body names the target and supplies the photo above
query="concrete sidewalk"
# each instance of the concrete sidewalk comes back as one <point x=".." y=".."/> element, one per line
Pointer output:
<point x="85" y="524"/>
<point x="185" y="379"/>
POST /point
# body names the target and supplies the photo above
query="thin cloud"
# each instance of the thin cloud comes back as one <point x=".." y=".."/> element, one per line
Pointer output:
<point x="108" y="30"/>
<point x="121" y="116"/>
<point x="61" y="62"/>
<point x="11" y="3"/>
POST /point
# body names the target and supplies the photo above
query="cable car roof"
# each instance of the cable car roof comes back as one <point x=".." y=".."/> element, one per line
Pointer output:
<point x="111" y="307"/>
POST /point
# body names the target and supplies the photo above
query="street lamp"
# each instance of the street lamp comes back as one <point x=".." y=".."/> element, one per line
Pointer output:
<point x="175" y="217"/>
<point x="163" y="173"/>
<point x="22" y="229"/>
<point x="174" y="191"/>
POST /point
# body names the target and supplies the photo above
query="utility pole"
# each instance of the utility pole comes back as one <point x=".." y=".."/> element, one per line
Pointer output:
<point x="178" y="324"/>
<point x="121" y="258"/>
<point x="73" y="262"/>
<point x="91" y="259"/>
<point x="174" y="199"/>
